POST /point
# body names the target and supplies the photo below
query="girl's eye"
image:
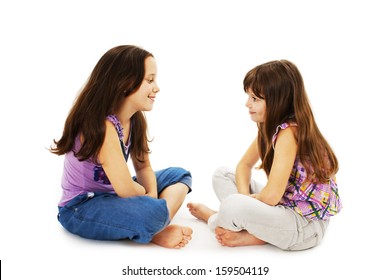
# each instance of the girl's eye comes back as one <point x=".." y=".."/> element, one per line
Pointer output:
<point x="150" y="81"/>
<point x="254" y="99"/>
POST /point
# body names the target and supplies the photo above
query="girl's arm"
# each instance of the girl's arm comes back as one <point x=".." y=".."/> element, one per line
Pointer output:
<point x="244" y="168"/>
<point x="115" y="165"/>
<point x="146" y="176"/>
<point x="284" y="157"/>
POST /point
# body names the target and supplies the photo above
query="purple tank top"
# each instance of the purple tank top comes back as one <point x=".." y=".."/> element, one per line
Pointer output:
<point x="81" y="177"/>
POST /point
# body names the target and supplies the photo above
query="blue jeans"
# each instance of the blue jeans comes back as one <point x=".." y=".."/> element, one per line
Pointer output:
<point x="106" y="216"/>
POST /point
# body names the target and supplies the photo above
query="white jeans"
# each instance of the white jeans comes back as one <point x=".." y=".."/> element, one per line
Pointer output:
<point x="277" y="225"/>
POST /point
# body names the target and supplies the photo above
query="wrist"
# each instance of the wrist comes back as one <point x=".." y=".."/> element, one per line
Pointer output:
<point x="243" y="190"/>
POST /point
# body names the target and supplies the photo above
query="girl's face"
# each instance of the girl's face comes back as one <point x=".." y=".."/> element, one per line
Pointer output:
<point x="143" y="98"/>
<point x="256" y="106"/>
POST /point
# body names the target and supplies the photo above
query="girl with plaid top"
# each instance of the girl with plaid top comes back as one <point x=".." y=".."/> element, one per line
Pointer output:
<point x="293" y="209"/>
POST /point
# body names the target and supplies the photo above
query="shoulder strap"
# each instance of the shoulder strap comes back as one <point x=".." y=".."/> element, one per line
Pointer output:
<point x="278" y="128"/>
<point x="119" y="129"/>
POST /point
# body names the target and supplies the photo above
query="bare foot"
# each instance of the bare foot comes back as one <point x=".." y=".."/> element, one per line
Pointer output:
<point x="233" y="239"/>
<point x="173" y="236"/>
<point x="200" y="211"/>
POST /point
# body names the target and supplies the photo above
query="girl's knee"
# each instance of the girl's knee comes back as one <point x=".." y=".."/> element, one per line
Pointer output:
<point x="183" y="176"/>
<point x="220" y="176"/>
<point x="178" y="171"/>
<point x="220" y="172"/>
<point x="173" y="175"/>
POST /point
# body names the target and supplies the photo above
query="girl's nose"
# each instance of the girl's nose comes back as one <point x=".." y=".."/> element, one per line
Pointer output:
<point x="248" y="103"/>
<point x="156" y="89"/>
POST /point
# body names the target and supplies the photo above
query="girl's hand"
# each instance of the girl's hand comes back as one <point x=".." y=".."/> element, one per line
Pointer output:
<point x="254" y="195"/>
<point x="151" y="194"/>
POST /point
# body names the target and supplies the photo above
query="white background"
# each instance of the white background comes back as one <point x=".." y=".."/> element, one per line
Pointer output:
<point x="203" y="50"/>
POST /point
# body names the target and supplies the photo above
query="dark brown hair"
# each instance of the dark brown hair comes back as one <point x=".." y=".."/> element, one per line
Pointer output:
<point x="118" y="73"/>
<point x="281" y="85"/>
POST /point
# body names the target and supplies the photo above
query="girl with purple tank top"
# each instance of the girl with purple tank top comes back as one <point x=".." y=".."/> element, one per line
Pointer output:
<point x="106" y="126"/>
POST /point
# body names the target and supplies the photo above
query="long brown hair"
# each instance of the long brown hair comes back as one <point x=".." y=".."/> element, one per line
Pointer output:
<point x="118" y="73"/>
<point x="281" y="85"/>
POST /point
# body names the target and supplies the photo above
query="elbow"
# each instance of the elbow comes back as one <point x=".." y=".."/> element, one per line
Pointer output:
<point x="270" y="199"/>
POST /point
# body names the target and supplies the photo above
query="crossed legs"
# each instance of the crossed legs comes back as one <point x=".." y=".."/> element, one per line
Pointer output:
<point x="224" y="185"/>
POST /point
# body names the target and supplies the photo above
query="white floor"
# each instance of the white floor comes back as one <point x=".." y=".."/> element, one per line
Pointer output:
<point x="203" y="50"/>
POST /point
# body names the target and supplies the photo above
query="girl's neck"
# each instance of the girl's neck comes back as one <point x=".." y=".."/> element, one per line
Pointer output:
<point x="124" y="116"/>
<point x="124" y="120"/>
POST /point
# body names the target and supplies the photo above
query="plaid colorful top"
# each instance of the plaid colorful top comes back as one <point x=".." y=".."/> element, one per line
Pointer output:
<point x="317" y="201"/>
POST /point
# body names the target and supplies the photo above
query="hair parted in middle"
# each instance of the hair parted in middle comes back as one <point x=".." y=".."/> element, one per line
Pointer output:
<point x="281" y="85"/>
